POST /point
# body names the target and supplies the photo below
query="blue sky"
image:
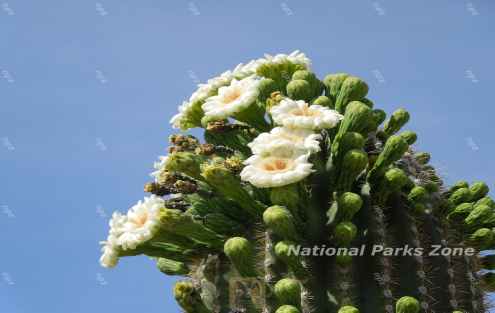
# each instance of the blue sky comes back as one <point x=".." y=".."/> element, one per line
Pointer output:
<point x="87" y="89"/>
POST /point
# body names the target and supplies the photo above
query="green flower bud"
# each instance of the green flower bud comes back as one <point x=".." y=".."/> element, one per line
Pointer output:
<point x="280" y="221"/>
<point x="324" y="101"/>
<point x="348" y="309"/>
<point x="287" y="309"/>
<point x="479" y="190"/>
<point x="304" y="75"/>
<point x="419" y="208"/>
<point x="478" y="216"/>
<point x="352" y="140"/>
<point x="349" y="204"/>
<point x="378" y="116"/>
<point x="460" y="195"/>
<point x="368" y="102"/>
<point x="458" y="185"/>
<point x="417" y="194"/>
<point x="300" y="90"/>
<point x="353" y="164"/>
<point x="398" y="119"/>
<point x="266" y="87"/>
<point x="344" y="233"/>
<point x="183" y="224"/>
<point x="460" y="212"/>
<point x="189" y="298"/>
<point x="396" y="179"/>
<point x="422" y="157"/>
<point x="241" y="254"/>
<point x="486" y="201"/>
<point x="393" y="150"/>
<point x="409" y="136"/>
<point x="185" y="162"/>
<point x="288" y="291"/>
<point x="171" y="267"/>
<point x="355" y="119"/>
<point x="280" y="72"/>
<point x="432" y="187"/>
<point x="407" y="305"/>
<point x="352" y="89"/>
<point x="482" y="238"/>
<point x="290" y="258"/>
<point x="488" y="262"/>
<point x="287" y="196"/>
<point x="343" y="259"/>
<point x="229" y="185"/>
<point x="333" y="83"/>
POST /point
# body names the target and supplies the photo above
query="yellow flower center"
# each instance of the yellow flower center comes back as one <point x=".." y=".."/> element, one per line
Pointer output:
<point x="231" y="95"/>
<point x="304" y="111"/>
<point x="141" y="219"/>
<point x="276" y="165"/>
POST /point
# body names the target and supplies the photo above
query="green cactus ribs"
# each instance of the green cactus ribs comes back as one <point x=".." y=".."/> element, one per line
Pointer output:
<point x="291" y="167"/>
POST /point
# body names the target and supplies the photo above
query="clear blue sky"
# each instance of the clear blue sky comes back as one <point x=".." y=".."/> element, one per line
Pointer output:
<point x="87" y="89"/>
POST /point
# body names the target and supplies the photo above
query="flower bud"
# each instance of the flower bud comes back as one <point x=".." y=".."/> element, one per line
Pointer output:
<point x="460" y="195"/>
<point x="368" y="102"/>
<point x="478" y="216"/>
<point x="229" y="185"/>
<point x="324" y="101"/>
<point x="344" y="233"/>
<point x="417" y="194"/>
<point x="171" y="267"/>
<point x="422" y="157"/>
<point x="396" y="179"/>
<point x="348" y="309"/>
<point x="288" y="291"/>
<point x="460" y="212"/>
<point x="486" y="201"/>
<point x="280" y="221"/>
<point x="352" y="140"/>
<point x="349" y="204"/>
<point x="393" y="150"/>
<point x="266" y="87"/>
<point x="353" y="164"/>
<point x="353" y="88"/>
<point x="409" y="136"/>
<point x="284" y="252"/>
<point x="478" y="190"/>
<point x="287" y="196"/>
<point x="184" y="162"/>
<point x="398" y="119"/>
<point x="241" y="254"/>
<point x="482" y="238"/>
<point x="188" y="297"/>
<point x="458" y="185"/>
<point x="299" y="90"/>
<point x="287" y="309"/>
<point x="333" y="83"/>
<point x="184" y="225"/>
<point x="407" y="305"/>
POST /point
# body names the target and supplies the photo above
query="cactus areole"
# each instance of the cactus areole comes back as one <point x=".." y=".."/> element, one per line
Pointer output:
<point x="304" y="198"/>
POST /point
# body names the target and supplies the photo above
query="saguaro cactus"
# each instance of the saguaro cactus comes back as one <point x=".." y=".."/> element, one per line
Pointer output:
<point x="298" y="200"/>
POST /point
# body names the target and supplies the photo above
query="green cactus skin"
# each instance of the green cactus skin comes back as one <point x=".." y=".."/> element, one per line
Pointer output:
<point x="369" y="187"/>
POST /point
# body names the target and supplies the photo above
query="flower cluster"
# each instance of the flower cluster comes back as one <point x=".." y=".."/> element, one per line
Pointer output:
<point x="128" y="231"/>
<point x="210" y="100"/>
<point x="281" y="157"/>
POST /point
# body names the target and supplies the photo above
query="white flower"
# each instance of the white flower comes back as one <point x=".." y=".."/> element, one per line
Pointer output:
<point x="284" y="165"/>
<point x="303" y="139"/>
<point x="298" y="114"/>
<point x="142" y="222"/>
<point x="295" y="57"/>
<point x="232" y="99"/>
<point x="159" y="166"/>
<point x="110" y="248"/>
<point x="109" y="252"/>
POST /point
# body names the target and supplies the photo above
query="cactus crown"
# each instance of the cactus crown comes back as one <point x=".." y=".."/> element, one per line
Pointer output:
<point x="297" y="197"/>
